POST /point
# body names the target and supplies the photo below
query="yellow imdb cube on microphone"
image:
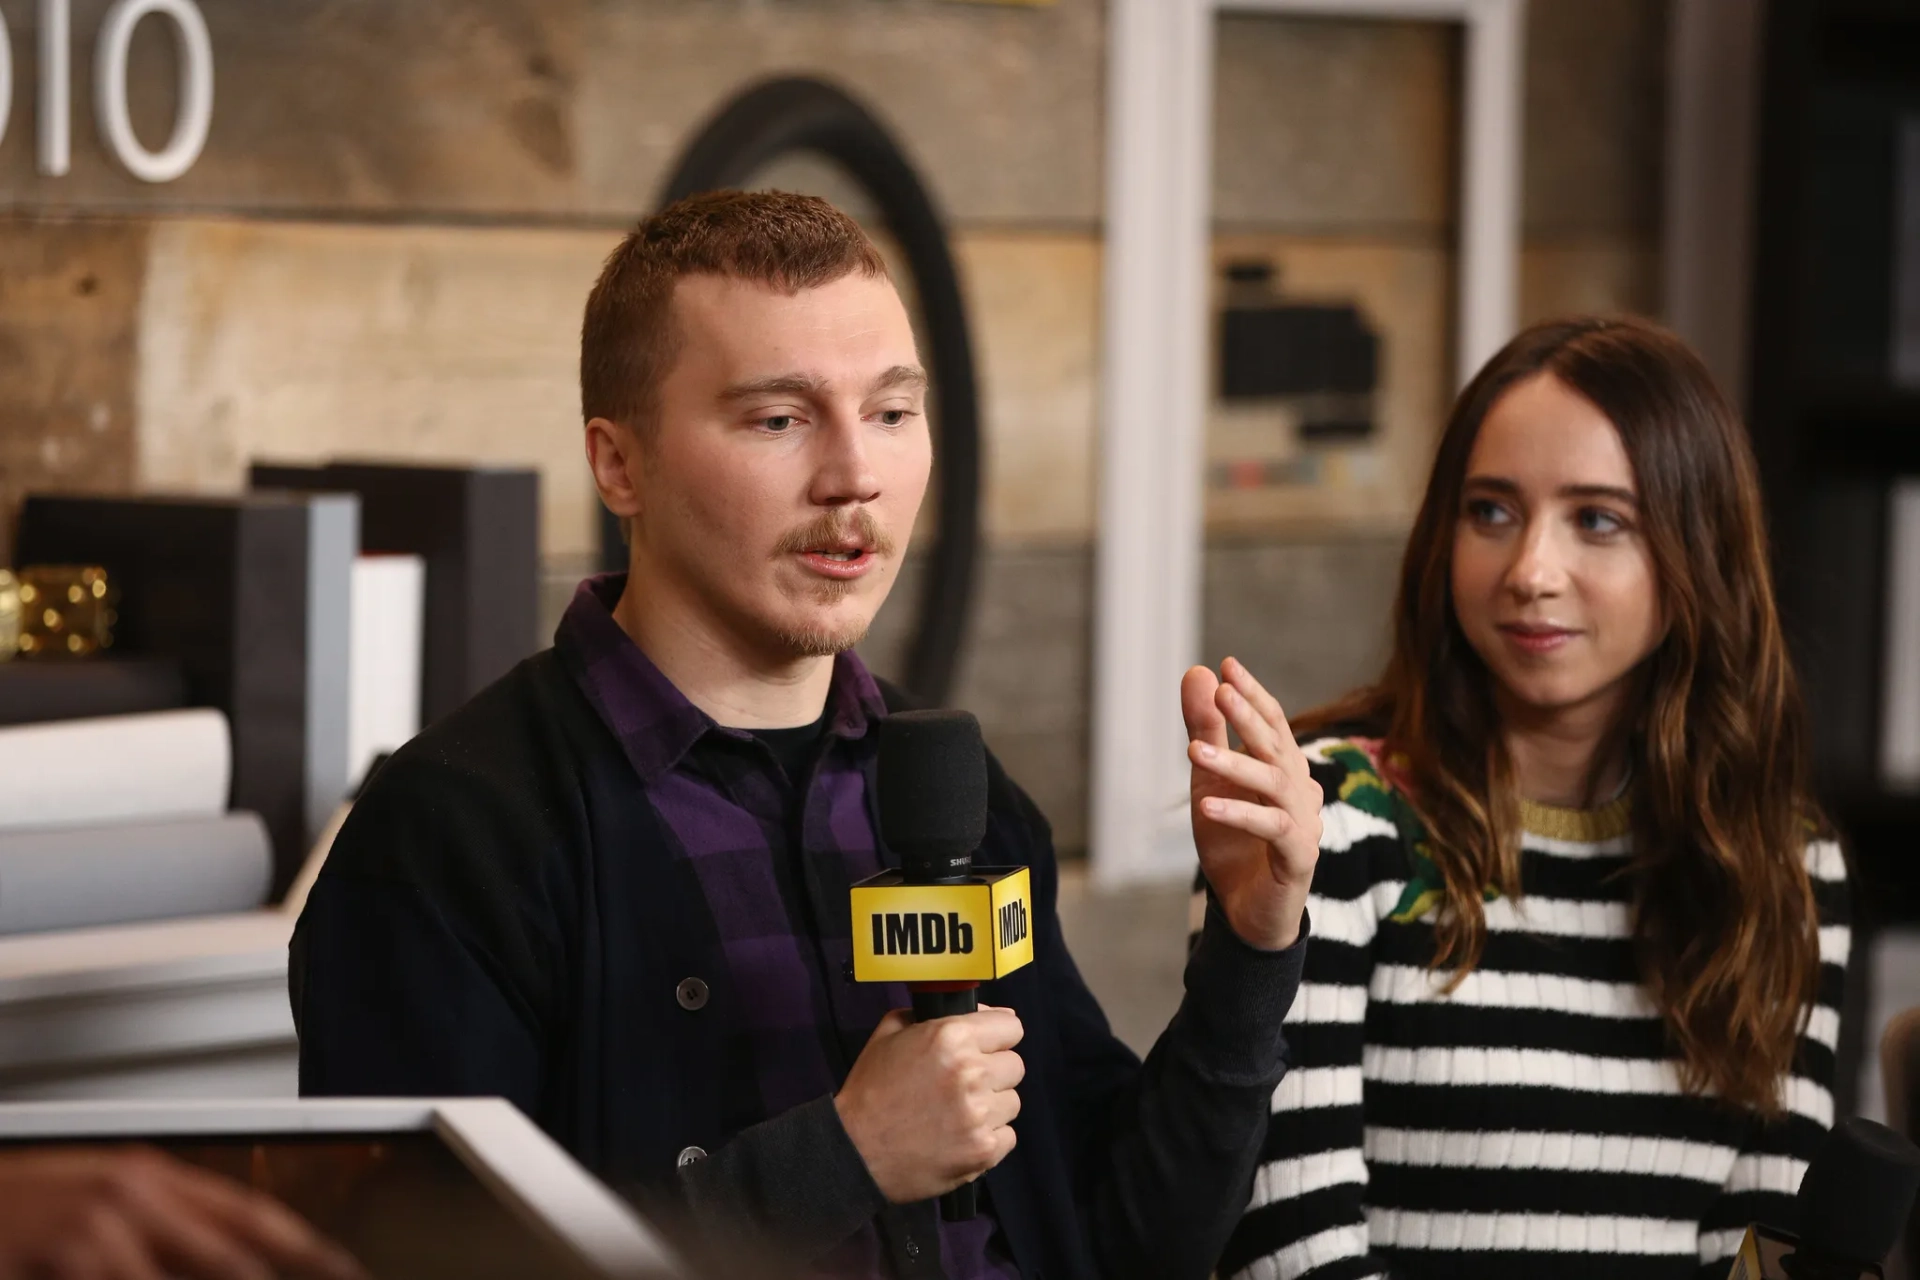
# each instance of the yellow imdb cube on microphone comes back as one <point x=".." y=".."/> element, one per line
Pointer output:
<point x="972" y="931"/>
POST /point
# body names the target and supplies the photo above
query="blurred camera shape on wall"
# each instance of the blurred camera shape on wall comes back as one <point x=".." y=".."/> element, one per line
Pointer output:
<point x="1322" y="360"/>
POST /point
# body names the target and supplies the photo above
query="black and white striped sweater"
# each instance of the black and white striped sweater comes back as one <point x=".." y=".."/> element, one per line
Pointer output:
<point x="1532" y="1122"/>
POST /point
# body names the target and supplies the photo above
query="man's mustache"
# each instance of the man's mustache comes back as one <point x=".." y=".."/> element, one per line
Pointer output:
<point x="834" y="528"/>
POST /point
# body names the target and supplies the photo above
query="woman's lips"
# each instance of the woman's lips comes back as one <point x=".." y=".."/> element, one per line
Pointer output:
<point x="844" y="565"/>
<point x="1533" y="639"/>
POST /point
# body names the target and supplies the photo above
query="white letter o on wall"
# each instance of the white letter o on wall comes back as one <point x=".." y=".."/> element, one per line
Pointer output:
<point x="195" y="116"/>
<point x="6" y="76"/>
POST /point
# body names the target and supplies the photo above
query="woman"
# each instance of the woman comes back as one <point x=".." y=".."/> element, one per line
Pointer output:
<point x="1572" y="996"/>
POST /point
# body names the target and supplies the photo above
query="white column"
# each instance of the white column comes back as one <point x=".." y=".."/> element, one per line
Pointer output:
<point x="1154" y="380"/>
<point x="1153" y="397"/>
<point x="1489" y="279"/>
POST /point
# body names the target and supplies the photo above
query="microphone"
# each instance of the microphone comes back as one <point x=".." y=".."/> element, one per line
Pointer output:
<point x="1853" y="1202"/>
<point x="940" y="924"/>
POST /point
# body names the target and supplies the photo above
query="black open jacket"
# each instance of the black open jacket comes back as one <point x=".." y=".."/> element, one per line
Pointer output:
<point x="503" y="914"/>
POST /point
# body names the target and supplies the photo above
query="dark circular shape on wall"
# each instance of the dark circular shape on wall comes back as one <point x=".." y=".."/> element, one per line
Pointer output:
<point x="797" y="114"/>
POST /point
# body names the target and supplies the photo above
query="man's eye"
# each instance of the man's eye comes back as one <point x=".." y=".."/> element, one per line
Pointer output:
<point x="895" y="417"/>
<point x="778" y="422"/>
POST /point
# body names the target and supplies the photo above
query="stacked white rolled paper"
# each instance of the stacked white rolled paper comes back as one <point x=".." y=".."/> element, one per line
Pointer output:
<point x="123" y="818"/>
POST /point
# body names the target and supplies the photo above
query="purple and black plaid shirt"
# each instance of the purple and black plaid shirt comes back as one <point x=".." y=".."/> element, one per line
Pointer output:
<point x="775" y="859"/>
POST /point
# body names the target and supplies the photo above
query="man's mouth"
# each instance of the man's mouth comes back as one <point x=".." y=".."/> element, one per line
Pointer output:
<point x="841" y="548"/>
<point x="843" y="563"/>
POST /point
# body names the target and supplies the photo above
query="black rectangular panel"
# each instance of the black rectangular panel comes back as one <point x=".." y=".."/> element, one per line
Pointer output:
<point x="218" y="585"/>
<point x="37" y="692"/>
<point x="478" y="529"/>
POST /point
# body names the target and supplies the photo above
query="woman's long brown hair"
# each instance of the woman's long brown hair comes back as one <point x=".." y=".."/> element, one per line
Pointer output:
<point x="1724" y="922"/>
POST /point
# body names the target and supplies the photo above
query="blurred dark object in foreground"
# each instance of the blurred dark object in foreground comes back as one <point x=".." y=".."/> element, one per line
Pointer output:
<point x="401" y="1203"/>
<point x="417" y="1189"/>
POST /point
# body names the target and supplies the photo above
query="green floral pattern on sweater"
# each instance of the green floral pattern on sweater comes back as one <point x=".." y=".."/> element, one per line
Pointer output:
<point x="1363" y="785"/>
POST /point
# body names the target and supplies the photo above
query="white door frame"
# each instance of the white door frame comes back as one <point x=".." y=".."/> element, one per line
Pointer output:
<point x="1154" y="382"/>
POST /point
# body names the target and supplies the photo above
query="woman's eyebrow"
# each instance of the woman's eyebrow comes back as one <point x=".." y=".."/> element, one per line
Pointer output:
<point x="1618" y="494"/>
<point x="1500" y="484"/>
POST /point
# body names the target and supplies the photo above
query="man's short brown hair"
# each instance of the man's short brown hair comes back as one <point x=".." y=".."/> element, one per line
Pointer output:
<point x="786" y="241"/>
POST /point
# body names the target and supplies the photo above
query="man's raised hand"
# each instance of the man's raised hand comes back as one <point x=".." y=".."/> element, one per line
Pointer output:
<point x="1256" y="811"/>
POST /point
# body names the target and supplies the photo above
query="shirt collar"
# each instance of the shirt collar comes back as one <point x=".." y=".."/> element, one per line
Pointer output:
<point x="652" y="719"/>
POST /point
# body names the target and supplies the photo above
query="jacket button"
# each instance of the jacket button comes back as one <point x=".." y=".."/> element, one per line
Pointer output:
<point x="913" y="1249"/>
<point x="688" y="1155"/>
<point x="691" y="993"/>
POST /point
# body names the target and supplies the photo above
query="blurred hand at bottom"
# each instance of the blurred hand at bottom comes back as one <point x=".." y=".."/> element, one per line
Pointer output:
<point x="135" y="1214"/>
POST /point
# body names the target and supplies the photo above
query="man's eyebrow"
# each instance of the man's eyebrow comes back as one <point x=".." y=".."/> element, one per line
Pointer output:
<point x="793" y="384"/>
<point x="901" y="375"/>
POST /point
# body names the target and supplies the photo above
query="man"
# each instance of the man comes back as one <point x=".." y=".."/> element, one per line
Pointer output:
<point x="613" y="888"/>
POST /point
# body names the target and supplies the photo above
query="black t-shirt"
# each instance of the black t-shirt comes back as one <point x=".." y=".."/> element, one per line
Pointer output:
<point x="796" y="748"/>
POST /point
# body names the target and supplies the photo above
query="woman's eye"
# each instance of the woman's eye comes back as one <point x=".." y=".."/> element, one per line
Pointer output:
<point x="1486" y="511"/>
<point x="1598" y="520"/>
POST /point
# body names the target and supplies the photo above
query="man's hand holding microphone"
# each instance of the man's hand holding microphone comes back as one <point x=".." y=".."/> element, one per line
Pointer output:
<point x="930" y="1105"/>
<point x="931" y="1101"/>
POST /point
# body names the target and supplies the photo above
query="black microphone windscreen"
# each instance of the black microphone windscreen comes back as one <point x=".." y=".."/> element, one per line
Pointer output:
<point x="932" y="783"/>
<point x="1857" y="1192"/>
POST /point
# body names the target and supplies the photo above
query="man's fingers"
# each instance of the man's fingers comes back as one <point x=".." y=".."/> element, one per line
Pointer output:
<point x="1004" y="1071"/>
<point x="995" y="1136"/>
<point x="1004" y="1141"/>
<point x="1265" y="703"/>
<point x="1242" y="771"/>
<point x="1205" y="723"/>
<point x="994" y="1029"/>
<point x="1259" y="737"/>
<point x="1265" y="821"/>
<point x="1299" y="795"/>
<point x="1003" y="1108"/>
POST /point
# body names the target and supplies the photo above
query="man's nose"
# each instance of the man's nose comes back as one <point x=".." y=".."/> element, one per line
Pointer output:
<point x="844" y="471"/>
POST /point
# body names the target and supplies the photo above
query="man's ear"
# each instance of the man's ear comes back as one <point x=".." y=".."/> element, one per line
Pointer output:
<point x="613" y="454"/>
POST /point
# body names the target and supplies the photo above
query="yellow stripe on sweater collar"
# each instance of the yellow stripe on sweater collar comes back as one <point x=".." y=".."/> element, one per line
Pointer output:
<point x="1582" y="826"/>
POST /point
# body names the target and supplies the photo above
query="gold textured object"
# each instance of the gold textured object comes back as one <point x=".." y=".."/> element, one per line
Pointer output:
<point x="9" y="615"/>
<point x="66" y="611"/>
